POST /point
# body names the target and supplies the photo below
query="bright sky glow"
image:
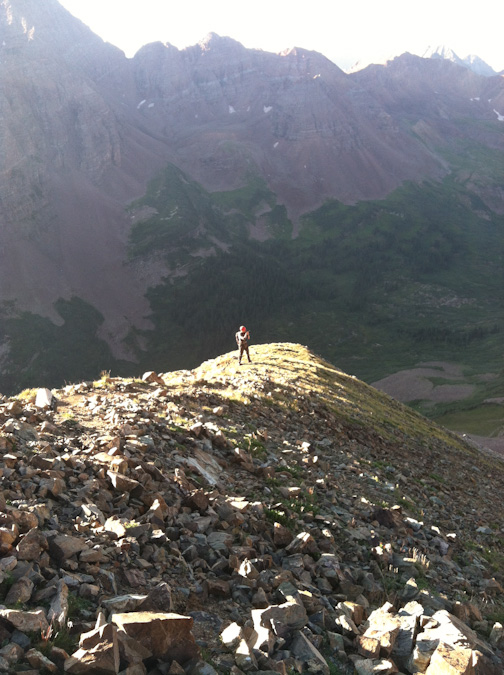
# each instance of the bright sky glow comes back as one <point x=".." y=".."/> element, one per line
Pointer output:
<point x="356" y="30"/>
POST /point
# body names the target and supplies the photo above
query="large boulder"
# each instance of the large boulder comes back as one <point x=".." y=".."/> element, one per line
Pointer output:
<point x="167" y="635"/>
<point x="98" y="653"/>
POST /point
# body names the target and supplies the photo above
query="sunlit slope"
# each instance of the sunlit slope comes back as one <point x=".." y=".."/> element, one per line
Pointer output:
<point x="284" y="374"/>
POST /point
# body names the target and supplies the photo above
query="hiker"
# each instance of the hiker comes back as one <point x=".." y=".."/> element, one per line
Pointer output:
<point x="242" y="340"/>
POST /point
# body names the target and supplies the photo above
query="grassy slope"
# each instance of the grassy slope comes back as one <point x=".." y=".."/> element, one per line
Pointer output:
<point x="295" y="372"/>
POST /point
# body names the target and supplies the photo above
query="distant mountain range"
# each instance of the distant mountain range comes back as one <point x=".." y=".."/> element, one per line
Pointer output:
<point x="471" y="61"/>
<point x="150" y="205"/>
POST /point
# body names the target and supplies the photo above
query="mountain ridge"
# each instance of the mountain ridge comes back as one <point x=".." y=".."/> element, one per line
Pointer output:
<point x="282" y="495"/>
<point x="471" y="61"/>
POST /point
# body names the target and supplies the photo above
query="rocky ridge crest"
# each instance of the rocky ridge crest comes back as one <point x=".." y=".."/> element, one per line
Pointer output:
<point x="278" y="517"/>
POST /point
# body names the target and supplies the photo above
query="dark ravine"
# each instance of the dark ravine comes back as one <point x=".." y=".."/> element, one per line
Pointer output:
<point x="276" y="517"/>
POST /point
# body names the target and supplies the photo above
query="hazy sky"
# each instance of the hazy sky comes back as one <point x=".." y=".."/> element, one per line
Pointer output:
<point x="345" y="32"/>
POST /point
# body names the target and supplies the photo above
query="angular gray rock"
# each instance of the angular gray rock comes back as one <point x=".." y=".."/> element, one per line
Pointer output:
<point x="168" y="636"/>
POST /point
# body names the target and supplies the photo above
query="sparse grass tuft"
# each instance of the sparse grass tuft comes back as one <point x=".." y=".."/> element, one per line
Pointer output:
<point x="28" y="395"/>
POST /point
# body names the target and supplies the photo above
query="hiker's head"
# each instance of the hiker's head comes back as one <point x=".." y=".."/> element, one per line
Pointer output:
<point x="242" y="329"/>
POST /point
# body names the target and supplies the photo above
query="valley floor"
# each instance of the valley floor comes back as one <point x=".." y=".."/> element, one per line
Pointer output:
<point x="437" y="383"/>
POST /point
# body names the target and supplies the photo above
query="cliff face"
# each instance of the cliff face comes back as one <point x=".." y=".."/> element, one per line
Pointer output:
<point x="53" y="111"/>
<point x="298" y="118"/>
<point x="83" y="129"/>
<point x="64" y="173"/>
<point x="313" y="131"/>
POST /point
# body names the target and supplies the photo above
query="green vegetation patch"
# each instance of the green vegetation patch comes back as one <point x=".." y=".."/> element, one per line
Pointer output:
<point x="484" y="420"/>
<point x="181" y="215"/>
<point x="246" y="200"/>
<point x="375" y="287"/>
<point x="43" y="354"/>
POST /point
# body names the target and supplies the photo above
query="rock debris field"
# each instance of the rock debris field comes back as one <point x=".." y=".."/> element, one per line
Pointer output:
<point x="278" y="517"/>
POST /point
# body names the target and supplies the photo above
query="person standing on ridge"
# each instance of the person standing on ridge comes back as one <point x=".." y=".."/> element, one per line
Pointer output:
<point x="242" y="340"/>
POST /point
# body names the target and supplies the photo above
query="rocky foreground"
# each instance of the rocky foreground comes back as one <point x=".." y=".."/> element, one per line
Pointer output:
<point x="278" y="517"/>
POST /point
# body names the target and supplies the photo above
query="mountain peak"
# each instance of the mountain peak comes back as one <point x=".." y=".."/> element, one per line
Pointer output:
<point x="214" y="41"/>
<point x="209" y="39"/>
<point x="471" y="62"/>
<point x="478" y="66"/>
<point x="441" y="52"/>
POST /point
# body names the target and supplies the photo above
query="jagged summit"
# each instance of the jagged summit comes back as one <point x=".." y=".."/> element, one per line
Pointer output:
<point x="214" y="41"/>
<point x="282" y="514"/>
<point x="49" y="28"/>
<point x="472" y="62"/>
<point x="476" y="64"/>
<point x="441" y="52"/>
